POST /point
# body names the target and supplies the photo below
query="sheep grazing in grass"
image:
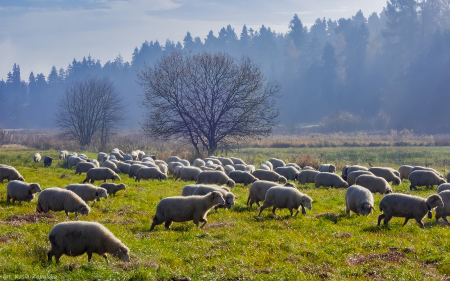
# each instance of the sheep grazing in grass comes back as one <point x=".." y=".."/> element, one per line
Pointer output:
<point x="277" y="163"/>
<point x="189" y="190"/>
<point x="269" y="164"/>
<point x="358" y="200"/>
<point x="214" y="177"/>
<point x="286" y="197"/>
<point x="404" y="171"/>
<point x="306" y="176"/>
<point x="163" y="168"/>
<point x="213" y="160"/>
<point x="83" y="167"/>
<point x="98" y="174"/>
<point x="21" y="191"/>
<point x="173" y="159"/>
<point x="124" y="168"/>
<point x="181" y="209"/>
<point x="225" y="161"/>
<point x="237" y="160"/>
<point x="419" y="168"/>
<point x="327" y="168"/>
<point x="9" y="173"/>
<point x="228" y="169"/>
<point x="424" y="178"/>
<point x="387" y="174"/>
<point x="257" y="191"/>
<point x="408" y="207"/>
<point x="48" y="161"/>
<point x="63" y="154"/>
<point x="350" y="169"/>
<point x="269" y="176"/>
<point x="111" y="165"/>
<point x="249" y="169"/>
<point x="294" y="165"/>
<point x="133" y="169"/>
<point x="88" y="192"/>
<point x="442" y="187"/>
<point x="112" y="188"/>
<point x="329" y="180"/>
<point x="157" y="162"/>
<point x="443" y="211"/>
<point x="73" y="161"/>
<point x="101" y="156"/>
<point x="173" y="165"/>
<point x="374" y="184"/>
<point x="242" y="177"/>
<point x="238" y="167"/>
<point x="351" y="178"/>
<point x="287" y="172"/>
<point x="37" y="158"/>
<point x="227" y="196"/>
<point x="150" y="173"/>
<point x="189" y="173"/>
<point x="79" y="237"/>
<point x="199" y="163"/>
<point x="58" y="199"/>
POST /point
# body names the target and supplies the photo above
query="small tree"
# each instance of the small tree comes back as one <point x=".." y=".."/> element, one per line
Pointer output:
<point x="206" y="98"/>
<point x="89" y="107"/>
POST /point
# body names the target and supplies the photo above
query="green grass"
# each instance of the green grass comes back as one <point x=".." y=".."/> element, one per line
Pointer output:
<point x="235" y="244"/>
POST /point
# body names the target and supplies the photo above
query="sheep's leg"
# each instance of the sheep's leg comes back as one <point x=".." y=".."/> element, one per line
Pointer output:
<point x="8" y="199"/>
<point x="262" y="209"/>
<point x="445" y="219"/>
<point x="168" y="224"/>
<point x="106" y="257"/>
<point x="89" y="256"/>
<point x="292" y="214"/>
<point x="406" y="221"/>
<point x="297" y="213"/>
<point x="347" y="210"/>
<point x="204" y="222"/>
<point x="387" y="219"/>
<point x="57" y="256"/>
<point x="93" y="204"/>
<point x="380" y="217"/>
<point x="50" y="254"/>
<point x="67" y="214"/>
<point x="92" y="181"/>
<point x="273" y="210"/>
<point x="257" y="203"/>
<point x="420" y="222"/>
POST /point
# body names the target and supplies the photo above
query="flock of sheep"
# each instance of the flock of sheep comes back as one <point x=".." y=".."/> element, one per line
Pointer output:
<point x="269" y="184"/>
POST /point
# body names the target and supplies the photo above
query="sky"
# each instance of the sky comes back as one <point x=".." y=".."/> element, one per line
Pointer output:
<point x="39" y="34"/>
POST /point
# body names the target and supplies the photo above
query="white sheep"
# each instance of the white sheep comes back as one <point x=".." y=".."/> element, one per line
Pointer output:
<point x="294" y="165"/>
<point x="442" y="187"/>
<point x="95" y="162"/>
<point x="329" y="179"/>
<point x="327" y="168"/>
<point x="123" y="167"/>
<point x="237" y="160"/>
<point x="21" y="191"/>
<point x="88" y="192"/>
<point x="83" y="167"/>
<point x="286" y="197"/>
<point x="199" y="163"/>
<point x="250" y="169"/>
<point x="74" y="160"/>
<point x="269" y="164"/>
<point x="277" y="163"/>
<point x="225" y="161"/>
<point x="242" y="177"/>
<point x="227" y="195"/>
<point x="37" y="158"/>
<point x="387" y="174"/>
<point x="111" y="165"/>
<point x="408" y="207"/>
<point x="63" y="154"/>
<point x="10" y="173"/>
<point x="287" y="172"/>
<point x="189" y="173"/>
<point x="214" y="177"/>
<point x="443" y="211"/>
<point x="424" y="178"/>
<point x="133" y="169"/>
<point x="306" y="176"/>
<point x="351" y="178"/>
<point x="238" y="167"/>
<point x="173" y="159"/>
<point x="257" y="191"/>
<point x="358" y="200"/>
<point x="228" y="169"/>
<point x="78" y="237"/>
<point x="150" y="173"/>
<point x="374" y="184"/>
<point x="98" y="174"/>
<point x="163" y="168"/>
<point x="58" y="199"/>
<point x="404" y="171"/>
<point x="269" y="176"/>
<point x="112" y="188"/>
<point x="181" y="209"/>
<point x="101" y="155"/>
<point x="188" y="190"/>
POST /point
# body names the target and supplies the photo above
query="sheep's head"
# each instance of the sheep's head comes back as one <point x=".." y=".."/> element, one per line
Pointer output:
<point x="123" y="186"/>
<point x="21" y="178"/>
<point x="163" y="176"/>
<point x="101" y="192"/>
<point x="282" y="180"/>
<point x="344" y="185"/>
<point x="34" y="188"/>
<point x="255" y="179"/>
<point x="116" y="177"/>
<point x="344" y="172"/>
<point x="332" y="169"/>
<point x="229" y="200"/>
<point x="305" y="201"/>
<point x="216" y="197"/>
<point x="435" y="201"/>
<point x="290" y="184"/>
<point x="365" y="209"/>
<point x="231" y="183"/>
<point x="441" y="181"/>
<point x="123" y="253"/>
<point x="396" y="181"/>
<point x="84" y="210"/>
<point x="388" y="189"/>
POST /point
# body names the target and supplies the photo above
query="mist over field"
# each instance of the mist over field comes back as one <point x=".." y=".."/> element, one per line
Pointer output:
<point x="370" y="71"/>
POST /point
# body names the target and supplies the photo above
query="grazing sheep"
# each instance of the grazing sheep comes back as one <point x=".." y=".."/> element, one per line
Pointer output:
<point x="101" y="155"/>
<point x="37" y="158"/>
<point x="189" y="173"/>
<point x="173" y="159"/>
<point x="347" y="170"/>
<point x="149" y="160"/>
<point x="424" y="178"/>
<point x="242" y="177"/>
<point x="387" y="174"/>
<point x="214" y="160"/>
<point x="176" y="172"/>
<point x="78" y="237"/>
<point x="112" y="188"/>
<point x="83" y="156"/>
<point x="309" y="168"/>
<point x="258" y="189"/>
<point x="111" y="165"/>
<point x="329" y="179"/>
<point x="83" y="167"/>
<point x="181" y="209"/>
<point x="58" y="199"/>
<point x="269" y="176"/>
<point x="419" y="168"/>
<point x="276" y="163"/>
<point x="294" y="165"/>
<point x="269" y="164"/>
<point x="238" y="167"/>
<point x="351" y="178"/>
<point x="141" y="155"/>
<point x="374" y="184"/>
<point x="442" y="187"/>
<point x="358" y="200"/>
<point x="172" y="166"/>
<point x="228" y="169"/>
<point x="404" y="171"/>
<point x="214" y="177"/>
<point x="117" y="155"/>
<point x="124" y="168"/>
<point x="227" y="196"/>
<point x="306" y="176"/>
<point x="133" y="170"/>
<point x="9" y="173"/>
<point x="264" y="167"/>
<point x="189" y="190"/>
<point x="98" y="174"/>
<point x="21" y="191"/>
<point x="163" y="168"/>
<point x="199" y="163"/>
<point x="286" y="197"/>
<point x="237" y="160"/>
<point x="328" y="168"/>
<point x="207" y="168"/>
<point x="88" y="192"/>
<point x="63" y="154"/>
<point x="443" y="211"/>
<point x="408" y="207"/>
<point x="128" y="157"/>
<point x="249" y="169"/>
<point x="157" y="162"/>
<point x="48" y="161"/>
<point x="287" y="172"/>
<point x="185" y="162"/>
<point x="96" y="163"/>
<point x="74" y="160"/>
<point x="111" y="157"/>
<point x="74" y="154"/>
<point x="149" y="173"/>
<point x="225" y="161"/>
<point x="344" y="172"/>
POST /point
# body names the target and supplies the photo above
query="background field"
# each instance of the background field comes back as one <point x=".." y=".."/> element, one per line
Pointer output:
<point x="326" y="243"/>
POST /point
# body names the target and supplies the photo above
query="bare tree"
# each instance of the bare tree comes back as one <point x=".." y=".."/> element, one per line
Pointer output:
<point x="207" y="98"/>
<point x="89" y="107"/>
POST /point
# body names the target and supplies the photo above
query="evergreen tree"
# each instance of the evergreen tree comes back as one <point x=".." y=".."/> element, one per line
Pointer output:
<point x="297" y="32"/>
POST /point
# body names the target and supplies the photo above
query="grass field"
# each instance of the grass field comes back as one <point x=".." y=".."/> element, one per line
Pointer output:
<point x="326" y="243"/>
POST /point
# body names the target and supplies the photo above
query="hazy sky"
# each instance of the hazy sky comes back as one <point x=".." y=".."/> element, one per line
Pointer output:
<point x="38" y="34"/>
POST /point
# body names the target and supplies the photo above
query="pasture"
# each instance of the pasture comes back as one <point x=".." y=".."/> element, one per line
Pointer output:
<point x="236" y="244"/>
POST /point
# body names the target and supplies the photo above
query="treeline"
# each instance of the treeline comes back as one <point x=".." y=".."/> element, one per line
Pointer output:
<point x="390" y="69"/>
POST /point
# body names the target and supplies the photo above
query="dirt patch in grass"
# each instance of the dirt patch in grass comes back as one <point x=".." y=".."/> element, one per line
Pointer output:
<point x="262" y="271"/>
<point x="134" y="265"/>
<point x="292" y="259"/>
<point x="343" y="235"/>
<point x="17" y="220"/>
<point x="218" y="225"/>
<point x="120" y="222"/>
<point x="220" y="246"/>
<point x="125" y="210"/>
<point x="142" y="235"/>
<point x="326" y="215"/>
<point x="4" y="239"/>
<point x="391" y="257"/>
